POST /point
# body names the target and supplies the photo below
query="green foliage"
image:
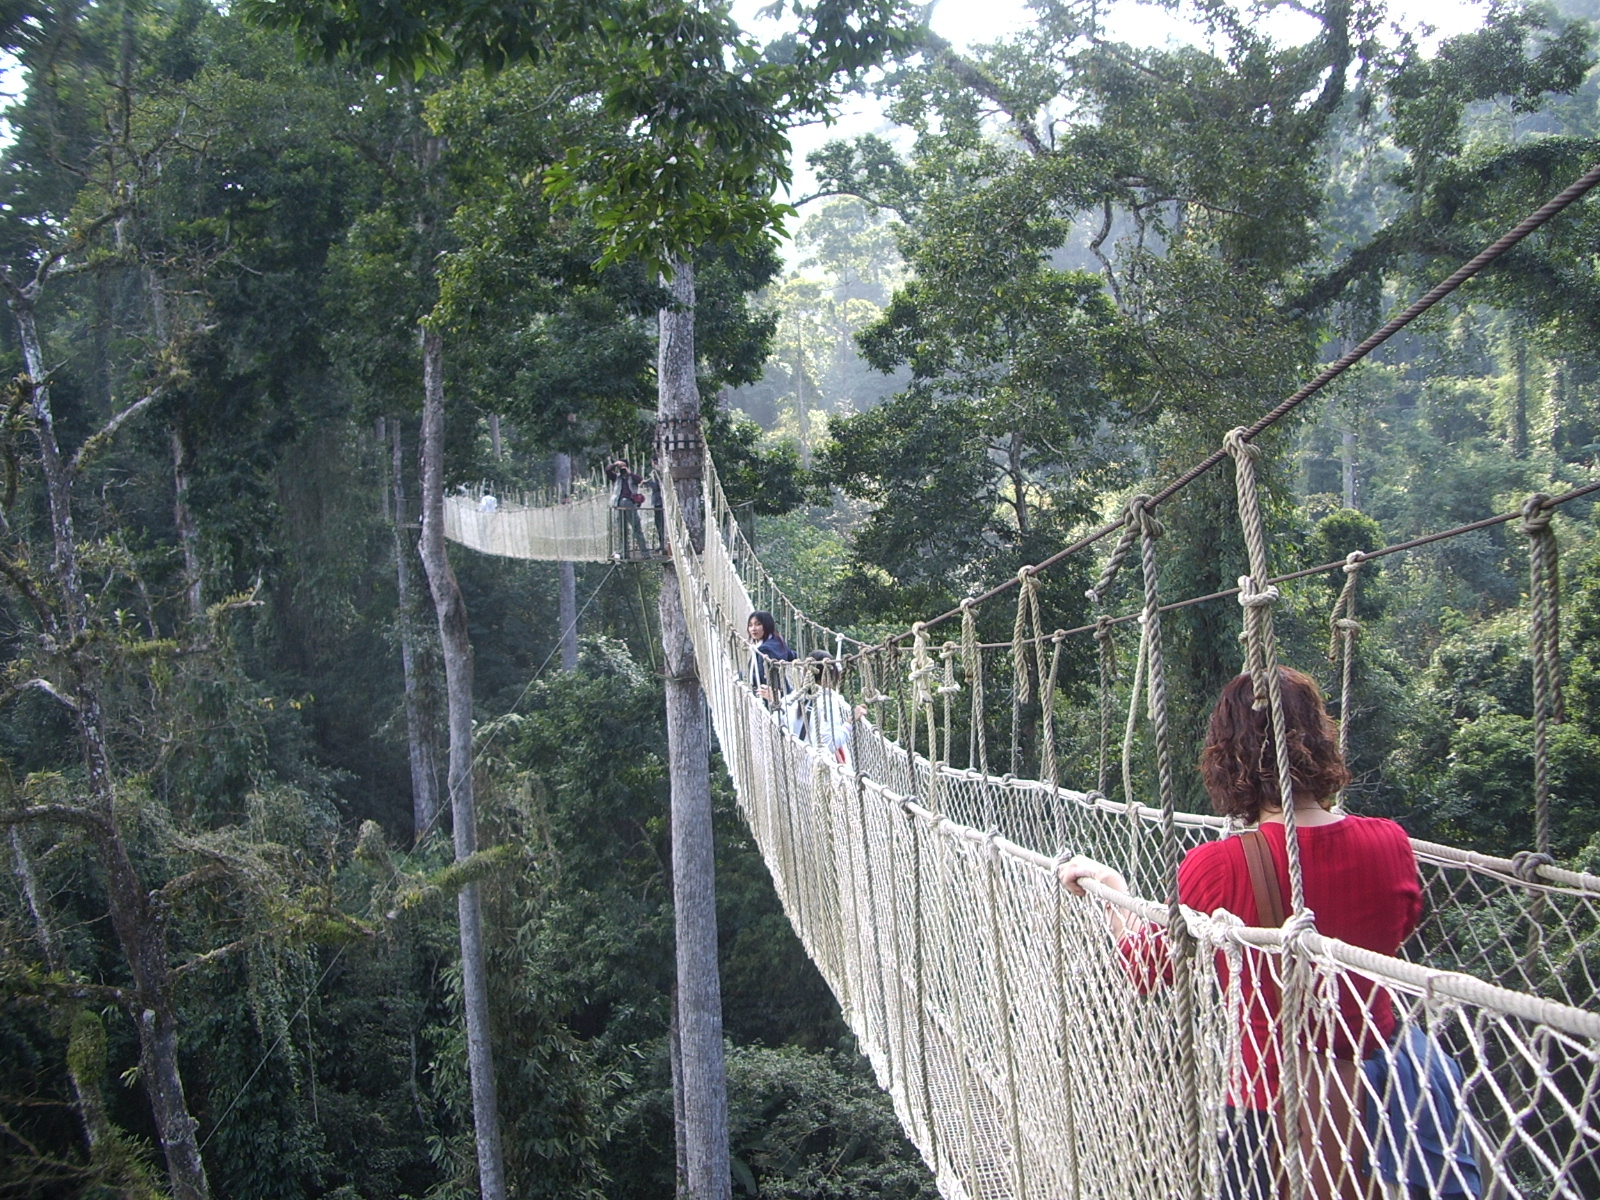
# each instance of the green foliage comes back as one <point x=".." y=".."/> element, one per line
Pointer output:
<point x="706" y="106"/>
<point x="802" y="1125"/>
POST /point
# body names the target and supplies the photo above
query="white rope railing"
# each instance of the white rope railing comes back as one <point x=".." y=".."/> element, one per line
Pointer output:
<point x="1027" y="1054"/>
<point x="578" y="531"/>
<point x="1001" y="1017"/>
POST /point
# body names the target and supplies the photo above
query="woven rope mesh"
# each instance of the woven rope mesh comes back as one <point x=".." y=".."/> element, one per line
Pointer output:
<point x="579" y="531"/>
<point x="1029" y="1054"/>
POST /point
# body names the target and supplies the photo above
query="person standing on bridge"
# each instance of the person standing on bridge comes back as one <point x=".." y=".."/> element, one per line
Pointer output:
<point x="767" y="647"/>
<point x="1360" y="880"/>
<point x="822" y="716"/>
<point x="627" y="499"/>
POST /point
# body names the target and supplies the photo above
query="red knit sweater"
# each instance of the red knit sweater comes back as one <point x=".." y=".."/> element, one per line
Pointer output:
<point x="1361" y="882"/>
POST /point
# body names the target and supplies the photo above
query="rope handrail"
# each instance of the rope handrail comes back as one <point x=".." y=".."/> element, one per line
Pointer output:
<point x="1391" y="971"/>
<point x="985" y="996"/>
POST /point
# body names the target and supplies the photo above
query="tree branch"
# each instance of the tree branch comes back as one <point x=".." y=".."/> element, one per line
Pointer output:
<point x="211" y="956"/>
<point x="75" y="242"/>
<point x="174" y="888"/>
<point x="37" y="684"/>
<point x="17" y="575"/>
<point x="971" y="75"/>
<point x="107" y="430"/>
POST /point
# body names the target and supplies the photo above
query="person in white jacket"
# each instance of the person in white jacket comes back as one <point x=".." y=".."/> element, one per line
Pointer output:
<point x="823" y="717"/>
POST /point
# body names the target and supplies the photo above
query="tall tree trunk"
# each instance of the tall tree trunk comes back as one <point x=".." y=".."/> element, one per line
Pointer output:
<point x="138" y="928"/>
<point x="704" y="1077"/>
<point x="420" y="732"/>
<point x="680" y="1139"/>
<point x="802" y="414"/>
<point x="1519" y="403"/>
<point x="452" y="613"/>
<point x="1347" y="458"/>
<point x="182" y="515"/>
<point x="188" y="532"/>
<point x="1019" y="481"/>
<point x="569" y="578"/>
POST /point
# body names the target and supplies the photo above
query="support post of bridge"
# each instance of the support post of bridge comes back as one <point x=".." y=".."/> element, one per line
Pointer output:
<point x="704" y="1073"/>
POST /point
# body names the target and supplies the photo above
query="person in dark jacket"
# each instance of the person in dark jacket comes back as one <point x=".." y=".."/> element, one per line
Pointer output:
<point x="627" y="499"/>
<point x="766" y="646"/>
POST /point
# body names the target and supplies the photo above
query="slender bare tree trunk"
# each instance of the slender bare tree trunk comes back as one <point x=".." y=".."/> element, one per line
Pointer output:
<point x="420" y="733"/>
<point x="139" y="929"/>
<point x="704" y="1078"/>
<point x="569" y="578"/>
<point x="182" y="515"/>
<point x="188" y="530"/>
<point x="452" y="612"/>
<point x="1519" y="409"/>
<point x="97" y="1128"/>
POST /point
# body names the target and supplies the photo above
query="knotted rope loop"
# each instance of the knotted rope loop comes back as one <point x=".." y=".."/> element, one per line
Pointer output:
<point x="947" y="657"/>
<point x="1544" y="636"/>
<point x="1142" y="517"/>
<point x="1249" y="597"/>
<point x="1525" y="864"/>
<point x="922" y="667"/>
<point x="1028" y="656"/>
<point x="1244" y="470"/>
<point x="1255" y="603"/>
<point x="1048" y="764"/>
<point x="1296" y="927"/>
<point x="1536" y="514"/>
<point x="869" y="682"/>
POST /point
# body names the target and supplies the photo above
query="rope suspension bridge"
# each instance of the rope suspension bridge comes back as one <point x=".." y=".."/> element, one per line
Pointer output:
<point x="996" y="1008"/>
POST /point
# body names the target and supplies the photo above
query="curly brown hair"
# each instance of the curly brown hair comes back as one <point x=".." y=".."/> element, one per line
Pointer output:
<point x="1240" y="763"/>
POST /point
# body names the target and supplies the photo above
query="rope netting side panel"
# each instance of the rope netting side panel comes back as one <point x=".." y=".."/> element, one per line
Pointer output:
<point x="579" y="531"/>
<point x="1028" y="1053"/>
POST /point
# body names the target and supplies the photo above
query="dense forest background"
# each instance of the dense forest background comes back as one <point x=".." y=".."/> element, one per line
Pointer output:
<point x="1081" y="264"/>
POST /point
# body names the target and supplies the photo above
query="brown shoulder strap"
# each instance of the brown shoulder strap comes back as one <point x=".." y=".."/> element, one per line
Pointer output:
<point x="1264" y="879"/>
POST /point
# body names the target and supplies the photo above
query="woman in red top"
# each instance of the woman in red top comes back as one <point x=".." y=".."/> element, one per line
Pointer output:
<point x="1360" y="880"/>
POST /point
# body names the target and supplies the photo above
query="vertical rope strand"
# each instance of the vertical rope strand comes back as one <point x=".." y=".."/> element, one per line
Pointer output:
<point x="947" y="689"/>
<point x="1343" y="628"/>
<point x="1258" y="597"/>
<point x="972" y="667"/>
<point x="1108" y="670"/>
